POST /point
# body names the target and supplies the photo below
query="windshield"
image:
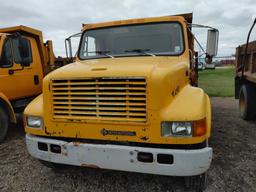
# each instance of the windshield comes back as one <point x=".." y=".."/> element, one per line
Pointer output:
<point x="133" y="40"/>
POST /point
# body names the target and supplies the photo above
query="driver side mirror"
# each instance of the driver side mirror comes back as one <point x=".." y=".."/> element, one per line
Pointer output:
<point x="25" y="51"/>
<point x="212" y="42"/>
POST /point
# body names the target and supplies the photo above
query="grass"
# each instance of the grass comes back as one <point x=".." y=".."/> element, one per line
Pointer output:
<point x="218" y="82"/>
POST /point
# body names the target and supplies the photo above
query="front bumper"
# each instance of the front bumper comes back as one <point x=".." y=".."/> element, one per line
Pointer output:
<point x="117" y="157"/>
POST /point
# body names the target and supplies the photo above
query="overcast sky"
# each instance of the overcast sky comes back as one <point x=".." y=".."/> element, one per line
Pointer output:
<point x="60" y="18"/>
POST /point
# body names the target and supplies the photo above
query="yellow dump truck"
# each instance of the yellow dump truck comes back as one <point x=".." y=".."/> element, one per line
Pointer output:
<point x="127" y="102"/>
<point x="24" y="60"/>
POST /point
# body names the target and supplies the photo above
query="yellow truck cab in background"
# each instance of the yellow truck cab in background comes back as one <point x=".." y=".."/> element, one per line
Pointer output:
<point x="127" y="102"/>
<point x="24" y="60"/>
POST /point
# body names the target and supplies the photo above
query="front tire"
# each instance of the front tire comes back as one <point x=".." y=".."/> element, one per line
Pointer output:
<point x="4" y="124"/>
<point x="198" y="182"/>
<point x="247" y="102"/>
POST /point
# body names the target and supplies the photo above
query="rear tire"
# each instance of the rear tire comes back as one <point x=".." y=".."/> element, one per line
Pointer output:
<point x="247" y="102"/>
<point x="4" y="124"/>
<point x="197" y="183"/>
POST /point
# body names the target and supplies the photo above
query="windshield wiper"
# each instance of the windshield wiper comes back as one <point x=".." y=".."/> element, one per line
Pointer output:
<point x="102" y="53"/>
<point x="144" y="51"/>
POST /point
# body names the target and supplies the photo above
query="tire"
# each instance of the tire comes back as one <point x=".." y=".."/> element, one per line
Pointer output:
<point x="247" y="102"/>
<point x="4" y="124"/>
<point x="197" y="183"/>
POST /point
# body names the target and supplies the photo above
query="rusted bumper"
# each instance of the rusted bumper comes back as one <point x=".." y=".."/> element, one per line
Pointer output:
<point x="172" y="162"/>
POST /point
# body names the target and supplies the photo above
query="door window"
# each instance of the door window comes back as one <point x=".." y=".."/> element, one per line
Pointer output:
<point x="6" y="57"/>
<point x="16" y="53"/>
<point x="18" y="58"/>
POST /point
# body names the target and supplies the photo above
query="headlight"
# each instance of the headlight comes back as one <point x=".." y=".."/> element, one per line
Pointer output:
<point x="34" y="122"/>
<point x="176" y="129"/>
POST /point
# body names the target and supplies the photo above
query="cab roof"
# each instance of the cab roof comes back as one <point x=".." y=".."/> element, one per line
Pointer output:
<point x="181" y="17"/>
<point x="29" y="32"/>
<point x="23" y="30"/>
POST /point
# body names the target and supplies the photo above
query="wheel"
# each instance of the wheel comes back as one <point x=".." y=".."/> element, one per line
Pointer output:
<point x="4" y="124"/>
<point x="198" y="182"/>
<point x="54" y="166"/>
<point x="247" y="102"/>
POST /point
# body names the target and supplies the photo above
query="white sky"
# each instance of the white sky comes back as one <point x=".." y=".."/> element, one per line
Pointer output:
<point x="60" y="18"/>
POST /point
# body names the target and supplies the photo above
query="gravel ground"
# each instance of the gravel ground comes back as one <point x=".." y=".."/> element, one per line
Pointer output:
<point x="233" y="167"/>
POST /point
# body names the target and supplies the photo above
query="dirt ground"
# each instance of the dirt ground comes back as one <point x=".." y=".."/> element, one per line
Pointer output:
<point x="233" y="167"/>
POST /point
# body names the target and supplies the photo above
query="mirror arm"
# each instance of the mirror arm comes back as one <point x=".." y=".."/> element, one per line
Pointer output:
<point x="246" y="48"/>
<point x="68" y="46"/>
<point x="201" y="26"/>
<point x="11" y="71"/>
<point x="201" y="47"/>
<point x="197" y="57"/>
<point x="189" y="27"/>
<point x="14" y="35"/>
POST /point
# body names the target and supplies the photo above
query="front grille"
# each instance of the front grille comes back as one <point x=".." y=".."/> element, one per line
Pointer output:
<point x="104" y="99"/>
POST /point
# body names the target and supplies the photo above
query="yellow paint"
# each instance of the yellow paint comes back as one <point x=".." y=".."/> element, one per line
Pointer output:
<point x="134" y="21"/>
<point x="20" y="84"/>
<point x="169" y="95"/>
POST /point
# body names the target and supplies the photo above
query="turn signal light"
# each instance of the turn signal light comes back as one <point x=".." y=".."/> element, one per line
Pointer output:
<point x="199" y="128"/>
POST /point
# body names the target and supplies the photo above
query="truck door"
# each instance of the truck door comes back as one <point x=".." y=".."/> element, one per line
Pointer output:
<point x="18" y="76"/>
<point x="6" y="63"/>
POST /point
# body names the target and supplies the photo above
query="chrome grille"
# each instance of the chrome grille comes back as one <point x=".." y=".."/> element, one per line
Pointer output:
<point x="104" y="99"/>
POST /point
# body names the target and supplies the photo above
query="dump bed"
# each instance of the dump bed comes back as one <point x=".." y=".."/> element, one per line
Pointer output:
<point x="249" y="61"/>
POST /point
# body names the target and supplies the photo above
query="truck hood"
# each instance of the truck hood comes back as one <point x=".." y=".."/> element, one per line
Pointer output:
<point x="166" y="96"/>
<point x="108" y="67"/>
<point x="165" y="76"/>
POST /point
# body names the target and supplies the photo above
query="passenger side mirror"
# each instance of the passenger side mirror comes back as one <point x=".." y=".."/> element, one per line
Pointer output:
<point x="69" y="48"/>
<point x="212" y="42"/>
<point x="25" y="51"/>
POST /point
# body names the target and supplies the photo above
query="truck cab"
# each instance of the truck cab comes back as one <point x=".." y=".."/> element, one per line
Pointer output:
<point x="24" y="60"/>
<point x="127" y="103"/>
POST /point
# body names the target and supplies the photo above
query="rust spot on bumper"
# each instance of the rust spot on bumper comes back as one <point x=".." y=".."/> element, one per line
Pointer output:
<point x="76" y="144"/>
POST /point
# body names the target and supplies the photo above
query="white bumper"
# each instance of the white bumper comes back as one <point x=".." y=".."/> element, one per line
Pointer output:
<point x="124" y="158"/>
